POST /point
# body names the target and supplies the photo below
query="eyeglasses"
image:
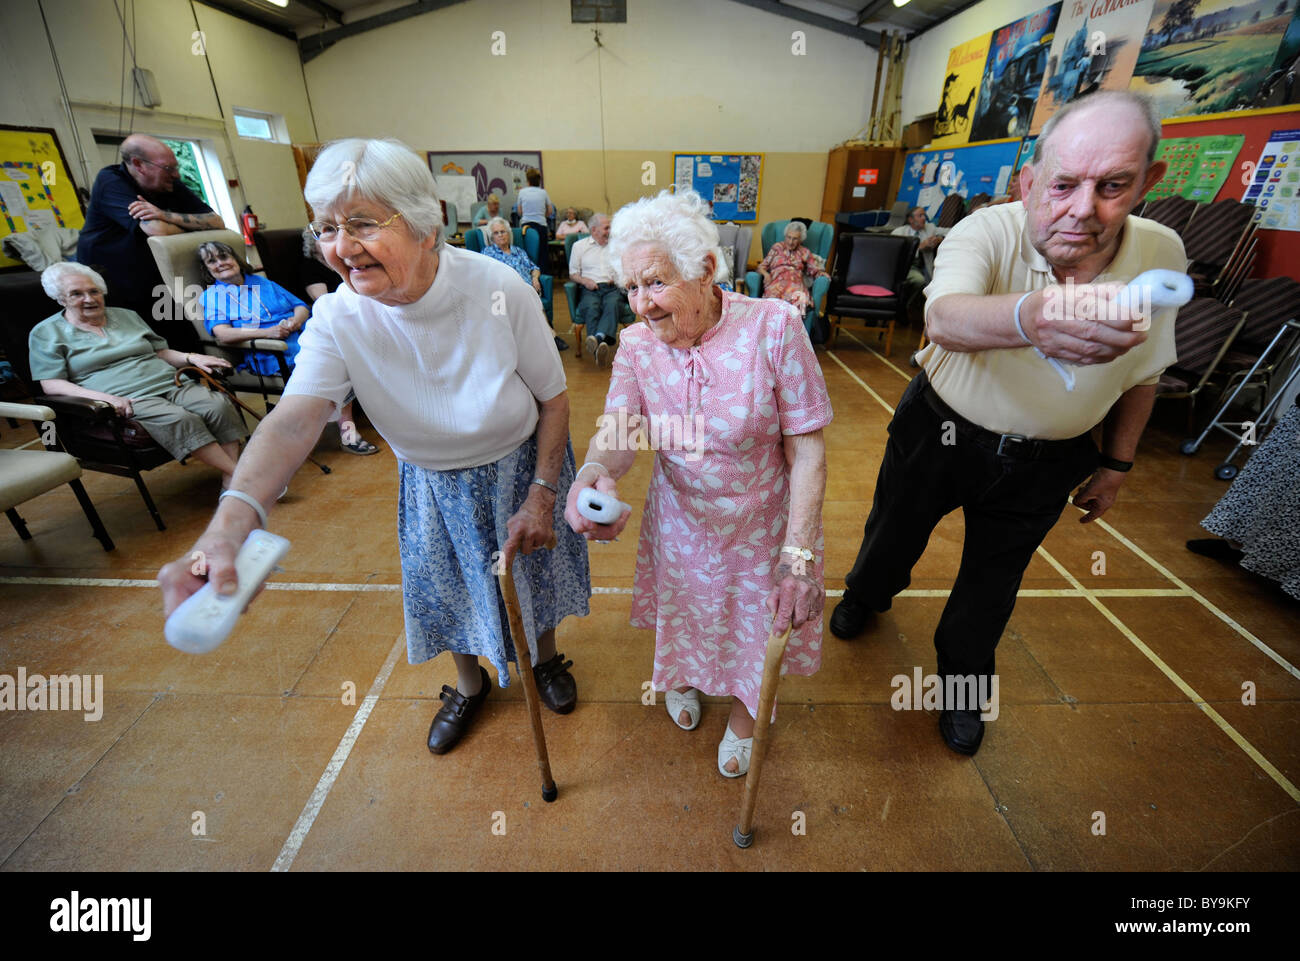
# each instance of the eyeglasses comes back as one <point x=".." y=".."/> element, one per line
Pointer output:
<point x="358" y="228"/>
<point x="170" y="168"/>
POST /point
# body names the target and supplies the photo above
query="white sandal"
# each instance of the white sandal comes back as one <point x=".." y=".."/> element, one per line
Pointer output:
<point x="738" y="747"/>
<point x="688" y="701"/>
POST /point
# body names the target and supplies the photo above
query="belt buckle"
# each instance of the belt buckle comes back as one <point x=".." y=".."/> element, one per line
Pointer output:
<point x="1002" y="443"/>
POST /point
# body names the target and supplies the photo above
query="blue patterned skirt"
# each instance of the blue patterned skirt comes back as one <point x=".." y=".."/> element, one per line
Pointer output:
<point x="450" y="524"/>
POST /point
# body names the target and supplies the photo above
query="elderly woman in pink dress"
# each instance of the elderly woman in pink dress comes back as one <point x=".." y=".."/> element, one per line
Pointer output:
<point x="727" y="392"/>
<point x="787" y="264"/>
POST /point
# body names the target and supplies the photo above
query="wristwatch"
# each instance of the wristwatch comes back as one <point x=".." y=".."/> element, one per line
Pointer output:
<point x="1111" y="463"/>
<point x="801" y="552"/>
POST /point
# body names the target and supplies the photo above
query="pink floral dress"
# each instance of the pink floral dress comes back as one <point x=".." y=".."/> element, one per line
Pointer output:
<point x="719" y="499"/>
<point x="787" y="269"/>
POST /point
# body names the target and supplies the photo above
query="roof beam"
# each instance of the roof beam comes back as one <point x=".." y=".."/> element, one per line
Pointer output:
<point x="313" y="45"/>
<point x="324" y="9"/>
<point x="242" y="15"/>
<point x="870" y="37"/>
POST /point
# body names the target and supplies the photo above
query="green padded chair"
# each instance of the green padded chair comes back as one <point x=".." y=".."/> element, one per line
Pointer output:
<point x="820" y="237"/>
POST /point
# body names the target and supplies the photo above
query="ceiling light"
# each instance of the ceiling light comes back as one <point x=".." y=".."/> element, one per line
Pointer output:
<point x="285" y="3"/>
<point x="897" y="3"/>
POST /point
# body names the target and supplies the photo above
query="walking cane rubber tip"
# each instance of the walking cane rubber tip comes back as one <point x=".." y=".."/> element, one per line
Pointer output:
<point x="742" y="840"/>
<point x="549" y="794"/>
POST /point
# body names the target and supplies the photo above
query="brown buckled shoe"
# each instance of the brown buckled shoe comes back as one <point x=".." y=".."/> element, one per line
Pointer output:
<point x="555" y="685"/>
<point x="452" y="719"/>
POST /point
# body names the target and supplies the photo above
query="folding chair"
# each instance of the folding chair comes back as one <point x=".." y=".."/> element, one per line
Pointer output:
<point x="1203" y="332"/>
<point x="1215" y="239"/>
<point x="952" y="210"/>
<point x="1271" y="313"/>
<point x="1174" y="212"/>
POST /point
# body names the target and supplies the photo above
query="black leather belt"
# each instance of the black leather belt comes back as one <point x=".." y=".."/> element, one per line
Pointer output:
<point x="1015" y="446"/>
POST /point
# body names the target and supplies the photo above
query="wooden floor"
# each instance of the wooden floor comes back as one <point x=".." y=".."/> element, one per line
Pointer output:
<point x="1121" y="698"/>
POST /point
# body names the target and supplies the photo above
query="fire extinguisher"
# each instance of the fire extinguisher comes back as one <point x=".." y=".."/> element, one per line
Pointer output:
<point x="249" y="220"/>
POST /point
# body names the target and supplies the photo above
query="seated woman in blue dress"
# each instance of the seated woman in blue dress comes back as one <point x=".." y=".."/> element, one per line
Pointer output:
<point x="516" y="257"/>
<point x="501" y="249"/>
<point x="239" y="307"/>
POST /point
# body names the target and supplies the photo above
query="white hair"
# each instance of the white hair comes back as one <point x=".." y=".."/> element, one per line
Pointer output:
<point x="52" y="278"/>
<point x="491" y="224"/>
<point x="798" y="227"/>
<point x="676" y="223"/>
<point x="387" y="172"/>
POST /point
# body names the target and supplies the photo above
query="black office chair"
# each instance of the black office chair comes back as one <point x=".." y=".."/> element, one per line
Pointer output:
<point x="868" y="283"/>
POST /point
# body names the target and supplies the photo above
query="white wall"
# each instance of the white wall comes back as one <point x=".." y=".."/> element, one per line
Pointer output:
<point x="927" y="56"/>
<point x="681" y="74"/>
<point x="252" y="67"/>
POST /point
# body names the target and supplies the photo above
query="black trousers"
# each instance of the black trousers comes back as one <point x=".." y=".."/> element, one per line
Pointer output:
<point x="1009" y="504"/>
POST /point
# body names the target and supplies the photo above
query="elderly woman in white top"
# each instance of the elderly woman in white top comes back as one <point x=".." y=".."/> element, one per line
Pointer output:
<point x="472" y="401"/>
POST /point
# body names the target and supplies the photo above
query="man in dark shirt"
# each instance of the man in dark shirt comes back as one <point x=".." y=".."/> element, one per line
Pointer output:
<point x="139" y="198"/>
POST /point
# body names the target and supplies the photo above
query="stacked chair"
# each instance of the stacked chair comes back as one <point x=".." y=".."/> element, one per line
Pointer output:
<point x="1267" y="344"/>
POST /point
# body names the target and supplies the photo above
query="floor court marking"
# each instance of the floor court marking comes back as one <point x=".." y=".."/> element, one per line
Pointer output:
<point x="1191" y="592"/>
<point x="1100" y="522"/>
<point x="293" y="843"/>
<point x="1091" y="596"/>
<point x="394" y="588"/>
<point x="1282" y="781"/>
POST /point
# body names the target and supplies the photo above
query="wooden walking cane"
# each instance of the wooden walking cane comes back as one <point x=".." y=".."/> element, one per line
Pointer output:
<point x="213" y="383"/>
<point x="743" y="834"/>
<point x="524" y="660"/>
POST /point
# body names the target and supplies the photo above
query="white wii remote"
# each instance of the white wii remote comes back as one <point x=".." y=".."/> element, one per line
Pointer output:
<point x="600" y="507"/>
<point x="1151" y="289"/>
<point x="206" y="618"/>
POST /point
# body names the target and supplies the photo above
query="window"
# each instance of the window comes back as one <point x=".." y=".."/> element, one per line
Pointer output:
<point x="191" y="170"/>
<point x="255" y="125"/>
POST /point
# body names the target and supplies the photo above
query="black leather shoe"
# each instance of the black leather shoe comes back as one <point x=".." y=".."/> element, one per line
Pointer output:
<point x="555" y="685"/>
<point x="851" y="617"/>
<point x="452" y="719"/>
<point x="962" y="730"/>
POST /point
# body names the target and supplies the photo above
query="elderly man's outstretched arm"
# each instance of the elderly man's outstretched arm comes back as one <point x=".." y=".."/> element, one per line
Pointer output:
<point x="973" y="322"/>
<point x="1120" y="434"/>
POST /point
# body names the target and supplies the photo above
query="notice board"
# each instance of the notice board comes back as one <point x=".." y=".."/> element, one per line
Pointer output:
<point x="729" y="183"/>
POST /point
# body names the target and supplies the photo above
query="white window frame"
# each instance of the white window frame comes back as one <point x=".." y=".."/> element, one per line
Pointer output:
<point x="279" y="129"/>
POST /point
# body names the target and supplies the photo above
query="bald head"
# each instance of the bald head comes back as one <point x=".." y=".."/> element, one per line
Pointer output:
<point x="151" y="162"/>
<point x="1120" y="113"/>
<point x="1092" y="165"/>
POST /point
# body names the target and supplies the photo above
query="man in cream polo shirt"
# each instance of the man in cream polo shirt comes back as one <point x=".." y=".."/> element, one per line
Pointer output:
<point x="989" y="425"/>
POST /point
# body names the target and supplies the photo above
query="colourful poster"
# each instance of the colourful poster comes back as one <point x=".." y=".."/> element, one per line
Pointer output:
<point x="1208" y="56"/>
<point x="1275" y="191"/>
<point x="1013" y="75"/>
<point x="1279" y="87"/>
<point x="36" y="193"/>
<point x="961" y="86"/>
<point x="1198" y="166"/>
<point x="729" y="183"/>
<point x="929" y="176"/>
<point x="1095" y="46"/>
